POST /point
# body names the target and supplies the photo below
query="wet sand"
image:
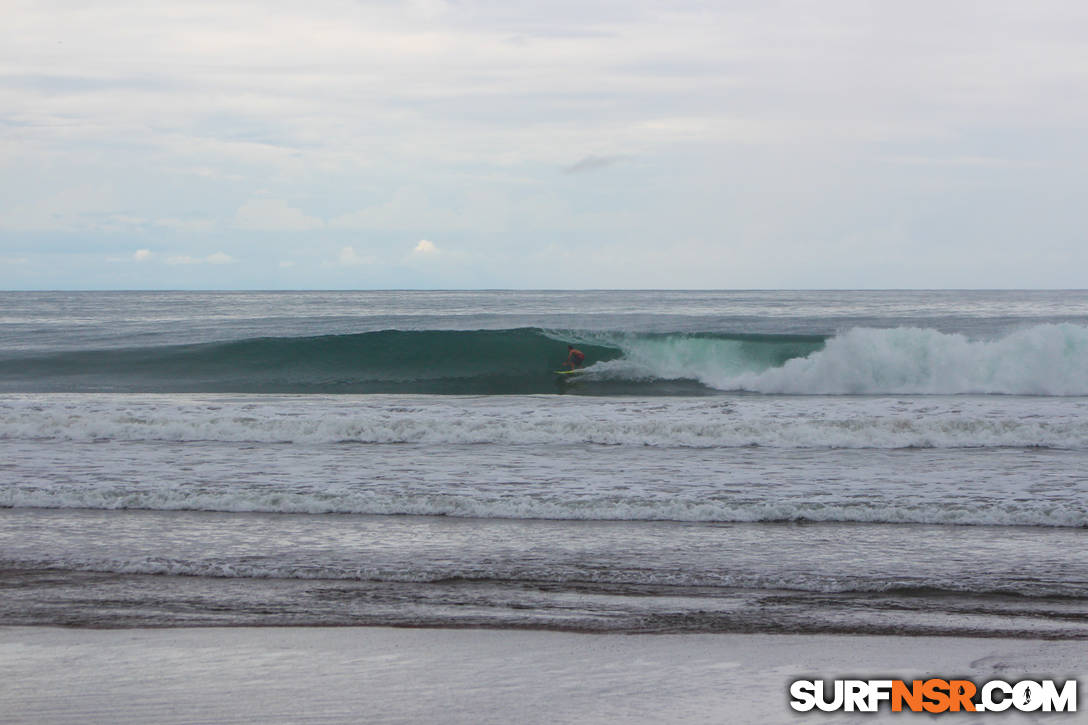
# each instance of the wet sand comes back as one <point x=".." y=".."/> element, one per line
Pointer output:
<point x="384" y="675"/>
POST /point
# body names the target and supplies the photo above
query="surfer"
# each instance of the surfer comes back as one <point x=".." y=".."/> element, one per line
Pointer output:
<point x="575" y="358"/>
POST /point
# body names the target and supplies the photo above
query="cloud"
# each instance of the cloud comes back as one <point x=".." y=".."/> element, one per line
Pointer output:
<point x="217" y="258"/>
<point x="403" y="210"/>
<point x="977" y="161"/>
<point x="286" y="264"/>
<point x="591" y="163"/>
<point x="29" y="204"/>
<point x="412" y="208"/>
<point x="349" y="258"/>
<point x="140" y="255"/>
<point x="186" y="225"/>
<point x="274" y="215"/>
<point x="425" y="248"/>
<point x="378" y="123"/>
<point x="13" y="260"/>
<point x="426" y="254"/>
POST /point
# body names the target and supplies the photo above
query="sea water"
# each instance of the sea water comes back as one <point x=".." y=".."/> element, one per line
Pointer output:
<point x="885" y="462"/>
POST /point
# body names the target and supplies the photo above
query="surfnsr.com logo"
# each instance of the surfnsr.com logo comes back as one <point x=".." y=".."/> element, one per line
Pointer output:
<point x="933" y="695"/>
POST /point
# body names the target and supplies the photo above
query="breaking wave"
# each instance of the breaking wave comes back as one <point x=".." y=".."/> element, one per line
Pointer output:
<point x="1046" y="360"/>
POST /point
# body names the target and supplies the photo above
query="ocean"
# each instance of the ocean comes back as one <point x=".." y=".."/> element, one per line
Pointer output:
<point x="893" y="462"/>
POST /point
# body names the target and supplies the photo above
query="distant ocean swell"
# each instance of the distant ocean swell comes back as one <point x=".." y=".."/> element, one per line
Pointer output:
<point x="570" y="508"/>
<point x="1046" y="360"/>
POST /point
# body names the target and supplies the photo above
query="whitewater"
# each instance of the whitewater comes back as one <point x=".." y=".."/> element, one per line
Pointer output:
<point x="885" y="462"/>
<point x="1041" y="360"/>
<point x="550" y="420"/>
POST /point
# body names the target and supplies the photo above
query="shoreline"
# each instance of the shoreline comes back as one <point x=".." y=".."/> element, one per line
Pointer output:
<point x="559" y="629"/>
<point x="287" y="674"/>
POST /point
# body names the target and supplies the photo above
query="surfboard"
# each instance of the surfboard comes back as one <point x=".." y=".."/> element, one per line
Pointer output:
<point x="575" y="371"/>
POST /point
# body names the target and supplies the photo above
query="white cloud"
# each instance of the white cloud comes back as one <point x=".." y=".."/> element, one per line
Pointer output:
<point x="286" y="264"/>
<point x="140" y="255"/>
<point x="217" y="258"/>
<point x="349" y="258"/>
<point x="274" y="215"/>
<point x="181" y="259"/>
<point x="13" y="260"/>
<point x="425" y="248"/>
<point x="426" y="255"/>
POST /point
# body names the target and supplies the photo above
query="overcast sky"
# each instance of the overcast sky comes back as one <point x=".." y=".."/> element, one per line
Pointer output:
<point x="748" y="144"/>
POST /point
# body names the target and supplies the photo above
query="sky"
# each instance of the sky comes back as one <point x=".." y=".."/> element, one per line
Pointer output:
<point x="434" y="144"/>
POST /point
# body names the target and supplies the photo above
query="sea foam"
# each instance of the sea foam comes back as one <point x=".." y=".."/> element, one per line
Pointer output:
<point x="1050" y="360"/>
<point x="767" y="421"/>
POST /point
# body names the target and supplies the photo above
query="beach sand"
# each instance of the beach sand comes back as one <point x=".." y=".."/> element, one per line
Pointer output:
<point x="383" y="675"/>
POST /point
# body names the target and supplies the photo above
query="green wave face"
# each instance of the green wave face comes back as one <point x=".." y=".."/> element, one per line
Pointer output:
<point x="481" y="362"/>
